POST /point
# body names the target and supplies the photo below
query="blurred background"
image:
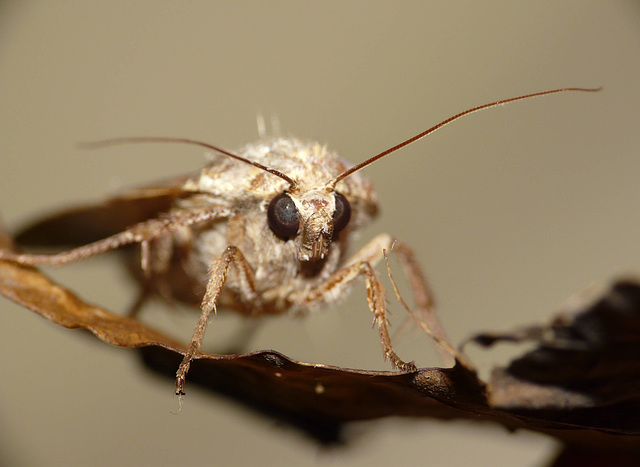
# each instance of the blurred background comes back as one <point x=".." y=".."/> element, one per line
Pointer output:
<point x="510" y="211"/>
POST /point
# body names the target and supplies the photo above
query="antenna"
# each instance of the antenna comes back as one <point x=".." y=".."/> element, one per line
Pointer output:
<point x="415" y="138"/>
<point x="160" y="139"/>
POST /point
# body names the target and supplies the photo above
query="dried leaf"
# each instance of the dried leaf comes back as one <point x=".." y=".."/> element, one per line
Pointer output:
<point x="32" y="289"/>
<point x="580" y="385"/>
<point x="588" y="356"/>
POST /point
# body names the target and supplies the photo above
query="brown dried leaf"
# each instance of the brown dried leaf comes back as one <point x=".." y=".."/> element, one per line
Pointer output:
<point x="579" y="386"/>
<point x="588" y="356"/>
<point x="32" y="289"/>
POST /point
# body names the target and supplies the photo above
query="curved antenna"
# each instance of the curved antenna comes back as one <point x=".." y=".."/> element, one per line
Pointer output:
<point x="371" y="160"/>
<point x="160" y="139"/>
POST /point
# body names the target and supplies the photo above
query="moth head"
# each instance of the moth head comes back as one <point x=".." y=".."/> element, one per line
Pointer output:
<point x="316" y="217"/>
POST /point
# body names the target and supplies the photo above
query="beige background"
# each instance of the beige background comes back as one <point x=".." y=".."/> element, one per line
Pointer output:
<point x="510" y="211"/>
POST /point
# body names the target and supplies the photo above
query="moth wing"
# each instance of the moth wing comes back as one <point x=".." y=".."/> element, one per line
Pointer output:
<point x="85" y="224"/>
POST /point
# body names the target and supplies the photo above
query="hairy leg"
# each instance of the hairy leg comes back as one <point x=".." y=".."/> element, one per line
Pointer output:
<point x="218" y="274"/>
<point x="362" y="264"/>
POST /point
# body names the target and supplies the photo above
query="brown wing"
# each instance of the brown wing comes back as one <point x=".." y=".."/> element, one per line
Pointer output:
<point x="89" y="223"/>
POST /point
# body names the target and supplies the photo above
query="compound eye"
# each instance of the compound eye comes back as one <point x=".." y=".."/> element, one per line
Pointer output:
<point x="283" y="216"/>
<point x="342" y="214"/>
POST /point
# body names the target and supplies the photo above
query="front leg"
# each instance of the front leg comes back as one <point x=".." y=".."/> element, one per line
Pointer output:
<point x="143" y="233"/>
<point x="218" y="273"/>
<point x="362" y="263"/>
<point x="424" y="312"/>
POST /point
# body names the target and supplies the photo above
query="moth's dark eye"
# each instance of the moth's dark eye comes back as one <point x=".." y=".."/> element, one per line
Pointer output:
<point x="283" y="216"/>
<point x="342" y="214"/>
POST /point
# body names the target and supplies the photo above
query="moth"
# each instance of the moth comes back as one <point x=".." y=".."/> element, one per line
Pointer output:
<point x="266" y="231"/>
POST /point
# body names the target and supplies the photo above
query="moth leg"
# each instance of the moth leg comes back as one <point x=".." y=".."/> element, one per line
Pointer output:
<point x="218" y="273"/>
<point x="424" y="312"/>
<point x="143" y="233"/>
<point x="377" y="304"/>
<point x="362" y="263"/>
<point x="334" y="286"/>
<point x="141" y="298"/>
